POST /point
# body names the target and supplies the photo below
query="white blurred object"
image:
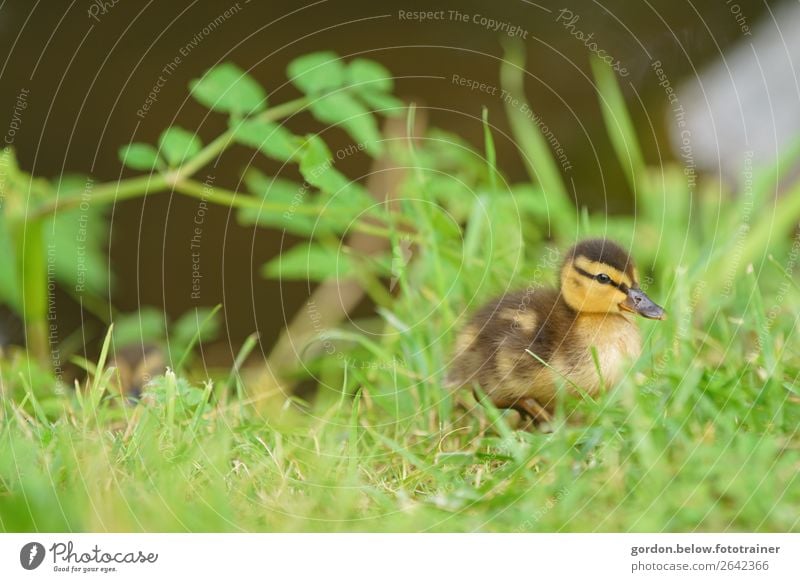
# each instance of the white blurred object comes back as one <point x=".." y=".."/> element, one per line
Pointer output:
<point x="746" y="105"/>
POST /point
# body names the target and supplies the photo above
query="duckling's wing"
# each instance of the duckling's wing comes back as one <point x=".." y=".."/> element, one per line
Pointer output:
<point x="492" y="349"/>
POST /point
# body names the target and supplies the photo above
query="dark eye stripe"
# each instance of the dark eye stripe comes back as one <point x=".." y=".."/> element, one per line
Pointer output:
<point x="620" y="286"/>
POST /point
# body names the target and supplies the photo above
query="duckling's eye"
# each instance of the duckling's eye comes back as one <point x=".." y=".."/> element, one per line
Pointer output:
<point x="603" y="278"/>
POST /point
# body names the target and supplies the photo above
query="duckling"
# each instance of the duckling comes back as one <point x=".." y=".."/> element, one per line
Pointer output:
<point x="136" y="365"/>
<point x="520" y="347"/>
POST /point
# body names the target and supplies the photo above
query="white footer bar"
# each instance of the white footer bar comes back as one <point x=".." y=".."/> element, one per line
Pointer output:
<point x="401" y="557"/>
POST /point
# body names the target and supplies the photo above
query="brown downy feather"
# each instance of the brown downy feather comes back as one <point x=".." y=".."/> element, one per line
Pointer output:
<point x="520" y="348"/>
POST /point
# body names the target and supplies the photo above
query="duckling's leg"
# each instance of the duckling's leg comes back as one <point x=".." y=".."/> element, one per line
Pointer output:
<point x="532" y="408"/>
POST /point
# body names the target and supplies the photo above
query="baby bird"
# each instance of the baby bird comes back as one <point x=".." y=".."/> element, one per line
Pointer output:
<point x="520" y="347"/>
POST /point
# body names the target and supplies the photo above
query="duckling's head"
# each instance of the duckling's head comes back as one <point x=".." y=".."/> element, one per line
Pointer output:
<point x="598" y="276"/>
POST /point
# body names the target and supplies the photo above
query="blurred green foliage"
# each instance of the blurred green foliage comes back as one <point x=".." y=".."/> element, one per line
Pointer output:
<point x="700" y="435"/>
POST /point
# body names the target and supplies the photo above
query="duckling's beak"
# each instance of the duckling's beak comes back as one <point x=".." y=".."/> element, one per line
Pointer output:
<point x="638" y="302"/>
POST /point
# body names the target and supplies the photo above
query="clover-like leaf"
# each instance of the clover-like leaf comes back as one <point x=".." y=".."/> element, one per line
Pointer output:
<point x="272" y="139"/>
<point x="139" y="156"/>
<point x="317" y="73"/>
<point x="277" y="191"/>
<point x="366" y="76"/>
<point x="308" y="262"/>
<point x="228" y="89"/>
<point x="177" y="145"/>
<point x="316" y="166"/>
<point x="341" y="109"/>
<point x="81" y="237"/>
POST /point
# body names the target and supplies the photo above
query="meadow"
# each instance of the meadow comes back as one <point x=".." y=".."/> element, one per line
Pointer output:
<point x="700" y="435"/>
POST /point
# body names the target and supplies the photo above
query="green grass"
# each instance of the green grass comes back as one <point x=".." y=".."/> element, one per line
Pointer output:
<point x="700" y="435"/>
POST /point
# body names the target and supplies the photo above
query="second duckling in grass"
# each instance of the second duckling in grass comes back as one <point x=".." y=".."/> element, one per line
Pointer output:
<point x="520" y="347"/>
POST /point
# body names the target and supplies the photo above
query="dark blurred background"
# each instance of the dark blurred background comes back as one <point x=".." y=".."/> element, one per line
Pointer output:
<point x="89" y="67"/>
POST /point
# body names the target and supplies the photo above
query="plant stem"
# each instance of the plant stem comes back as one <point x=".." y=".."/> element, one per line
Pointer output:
<point x="229" y="198"/>
<point x="180" y="181"/>
<point x="108" y="192"/>
<point x="143" y="185"/>
<point x="221" y="143"/>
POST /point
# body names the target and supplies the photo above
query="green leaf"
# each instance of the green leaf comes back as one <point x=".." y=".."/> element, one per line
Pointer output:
<point x="450" y="192"/>
<point x="333" y="218"/>
<point x="366" y="76"/>
<point x="228" y="89"/>
<point x="139" y="327"/>
<point x="373" y="84"/>
<point x="177" y="145"/>
<point x="280" y="191"/>
<point x="80" y="237"/>
<point x="271" y="139"/>
<point x="341" y="109"/>
<point x="308" y="262"/>
<point x="317" y="72"/>
<point x="316" y="166"/>
<point x="385" y="104"/>
<point x="139" y="156"/>
<point x="351" y="202"/>
<point x="80" y="261"/>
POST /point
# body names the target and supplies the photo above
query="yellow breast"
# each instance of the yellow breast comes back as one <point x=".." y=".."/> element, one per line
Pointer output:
<point x="617" y="342"/>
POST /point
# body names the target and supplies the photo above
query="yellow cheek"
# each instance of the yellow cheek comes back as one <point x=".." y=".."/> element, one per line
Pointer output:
<point x="611" y="297"/>
<point x="595" y="297"/>
<point x="584" y="294"/>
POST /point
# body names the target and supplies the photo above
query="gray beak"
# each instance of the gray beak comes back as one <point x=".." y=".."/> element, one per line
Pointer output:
<point x="638" y="302"/>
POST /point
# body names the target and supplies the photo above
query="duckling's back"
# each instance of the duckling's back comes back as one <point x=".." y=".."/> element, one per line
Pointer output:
<point x="492" y="349"/>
